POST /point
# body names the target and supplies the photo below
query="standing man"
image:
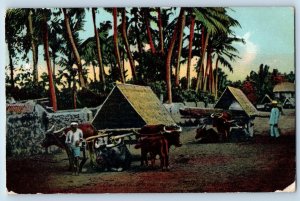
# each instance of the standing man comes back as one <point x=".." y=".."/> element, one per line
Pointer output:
<point x="274" y="117"/>
<point x="73" y="140"/>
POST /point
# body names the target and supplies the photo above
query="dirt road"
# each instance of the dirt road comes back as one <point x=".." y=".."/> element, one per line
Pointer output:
<point x="258" y="165"/>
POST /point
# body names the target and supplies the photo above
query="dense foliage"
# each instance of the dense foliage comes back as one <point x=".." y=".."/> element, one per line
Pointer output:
<point x="152" y="42"/>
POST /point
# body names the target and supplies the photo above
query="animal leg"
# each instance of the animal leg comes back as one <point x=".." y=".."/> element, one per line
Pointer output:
<point x="76" y="165"/>
<point x="166" y="155"/>
<point x="84" y="159"/>
<point x="144" y="157"/>
<point x="162" y="155"/>
<point x="152" y="158"/>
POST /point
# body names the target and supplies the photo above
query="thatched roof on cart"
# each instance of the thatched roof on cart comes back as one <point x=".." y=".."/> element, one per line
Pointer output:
<point x="131" y="106"/>
<point x="284" y="87"/>
<point x="231" y="95"/>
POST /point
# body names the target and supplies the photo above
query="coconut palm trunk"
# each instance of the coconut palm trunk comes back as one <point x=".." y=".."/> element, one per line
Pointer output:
<point x="116" y="44"/>
<point x="201" y="71"/>
<point x="160" y="31"/>
<point x="146" y="14"/>
<point x="99" y="54"/>
<point x="47" y="58"/>
<point x="191" y="37"/>
<point x="206" y="81"/>
<point x="181" y="27"/>
<point x="11" y="66"/>
<point x="127" y="46"/>
<point x="33" y="48"/>
<point x="168" y="60"/>
<point x="216" y="79"/>
<point x="74" y="48"/>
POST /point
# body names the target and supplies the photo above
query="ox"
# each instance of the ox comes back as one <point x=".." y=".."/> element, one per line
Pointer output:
<point x="58" y="138"/>
<point x="205" y="135"/>
<point x="114" y="157"/>
<point x="157" y="140"/>
<point x="222" y="121"/>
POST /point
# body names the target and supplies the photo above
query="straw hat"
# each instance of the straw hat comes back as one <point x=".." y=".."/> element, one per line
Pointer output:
<point x="274" y="102"/>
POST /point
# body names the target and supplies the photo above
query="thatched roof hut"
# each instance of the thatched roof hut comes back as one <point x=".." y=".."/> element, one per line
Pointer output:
<point x="284" y="87"/>
<point x="284" y="90"/>
<point x="235" y="96"/>
<point x="131" y="106"/>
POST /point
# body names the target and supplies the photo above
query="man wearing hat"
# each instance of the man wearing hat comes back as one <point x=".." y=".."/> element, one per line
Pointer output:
<point x="274" y="117"/>
<point x="74" y="139"/>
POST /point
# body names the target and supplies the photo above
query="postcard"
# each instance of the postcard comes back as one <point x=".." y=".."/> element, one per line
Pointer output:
<point x="150" y="100"/>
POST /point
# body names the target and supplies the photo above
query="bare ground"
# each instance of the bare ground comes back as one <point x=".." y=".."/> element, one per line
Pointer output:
<point x="257" y="165"/>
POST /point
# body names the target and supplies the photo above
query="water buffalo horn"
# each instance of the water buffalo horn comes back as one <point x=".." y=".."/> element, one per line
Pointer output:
<point x="51" y="129"/>
<point x="166" y="130"/>
<point x="59" y="131"/>
<point x="180" y="129"/>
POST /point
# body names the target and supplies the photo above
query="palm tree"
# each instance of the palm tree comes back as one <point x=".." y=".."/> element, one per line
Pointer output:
<point x="47" y="58"/>
<point x="215" y="21"/>
<point x="224" y="50"/>
<point x="12" y="30"/>
<point x="89" y="54"/>
<point x="56" y="41"/>
<point x="147" y="16"/>
<point x="99" y="54"/>
<point x="169" y="56"/>
<point x="116" y="45"/>
<point x="191" y="37"/>
<point x="127" y="46"/>
<point x="160" y="31"/>
<point x="33" y="47"/>
<point x="135" y="29"/>
<point x="181" y="26"/>
<point x="210" y="18"/>
<point x="74" y="47"/>
<point x="25" y="20"/>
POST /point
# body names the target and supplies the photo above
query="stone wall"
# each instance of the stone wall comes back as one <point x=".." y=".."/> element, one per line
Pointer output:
<point x="23" y="134"/>
<point x="65" y="117"/>
<point x="25" y="130"/>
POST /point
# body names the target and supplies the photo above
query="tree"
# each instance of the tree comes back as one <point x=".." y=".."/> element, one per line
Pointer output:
<point x="168" y="59"/>
<point x="47" y="58"/>
<point x="33" y="47"/>
<point x="116" y="45"/>
<point x="147" y="16"/>
<point x="12" y="30"/>
<point x="191" y="37"/>
<point x="223" y="49"/>
<point x="74" y="47"/>
<point x="160" y="31"/>
<point x="127" y="46"/>
<point x="181" y="23"/>
<point x="99" y="54"/>
<point x="213" y="21"/>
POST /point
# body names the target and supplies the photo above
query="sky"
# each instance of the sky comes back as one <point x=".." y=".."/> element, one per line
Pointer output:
<point x="269" y="36"/>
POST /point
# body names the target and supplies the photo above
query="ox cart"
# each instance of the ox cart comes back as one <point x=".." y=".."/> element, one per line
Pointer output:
<point x="215" y="124"/>
<point x="108" y="148"/>
<point x="111" y="152"/>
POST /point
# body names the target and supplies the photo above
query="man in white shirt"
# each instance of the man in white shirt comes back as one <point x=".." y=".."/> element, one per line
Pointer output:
<point x="74" y="139"/>
<point x="274" y="118"/>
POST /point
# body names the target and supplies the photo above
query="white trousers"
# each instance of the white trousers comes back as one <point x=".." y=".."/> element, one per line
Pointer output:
<point x="274" y="131"/>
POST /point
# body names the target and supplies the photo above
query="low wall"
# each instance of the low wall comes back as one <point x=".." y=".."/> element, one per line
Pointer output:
<point x="25" y="130"/>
